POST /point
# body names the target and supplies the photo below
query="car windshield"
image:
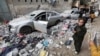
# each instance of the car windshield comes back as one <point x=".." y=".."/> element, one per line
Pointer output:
<point x="30" y="14"/>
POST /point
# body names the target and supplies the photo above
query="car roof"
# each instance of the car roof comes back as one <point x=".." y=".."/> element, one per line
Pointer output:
<point x="36" y="12"/>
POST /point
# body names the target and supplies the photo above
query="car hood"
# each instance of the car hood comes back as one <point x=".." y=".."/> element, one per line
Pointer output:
<point x="66" y="13"/>
<point x="21" y="20"/>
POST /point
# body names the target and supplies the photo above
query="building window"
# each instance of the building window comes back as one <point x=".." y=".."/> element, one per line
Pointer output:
<point x="66" y="0"/>
<point x="45" y="0"/>
<point x="41" y="0"/>
<point x="25" y="0"/>
<point x="36" y="0"/>
<point x="31" y="0"/>
<point x="18" y="0"/>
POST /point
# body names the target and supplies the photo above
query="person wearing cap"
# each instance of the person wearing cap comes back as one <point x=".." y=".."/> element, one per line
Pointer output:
<point x="95" y="51"/>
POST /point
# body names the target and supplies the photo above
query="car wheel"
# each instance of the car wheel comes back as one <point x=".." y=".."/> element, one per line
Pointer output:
<point x="26" y="30"/>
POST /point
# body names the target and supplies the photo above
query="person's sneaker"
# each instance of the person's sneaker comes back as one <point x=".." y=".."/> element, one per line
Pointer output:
<point x="76" y="53"/>
<point x="68" y="47"/>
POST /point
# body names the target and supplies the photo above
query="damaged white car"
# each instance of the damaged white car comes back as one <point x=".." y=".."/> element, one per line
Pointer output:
<point x="70" y="14"/>
<point x="39" y="20"/>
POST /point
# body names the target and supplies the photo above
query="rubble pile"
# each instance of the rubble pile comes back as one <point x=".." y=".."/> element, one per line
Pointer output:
<point x="37" y="43"/>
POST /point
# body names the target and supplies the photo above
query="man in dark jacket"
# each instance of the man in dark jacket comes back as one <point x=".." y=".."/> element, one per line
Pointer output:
<point x="92" y="15"/>
<point x="79" y="33"/>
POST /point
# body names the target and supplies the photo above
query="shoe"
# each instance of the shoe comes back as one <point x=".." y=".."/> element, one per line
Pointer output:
<point x="68" y="47"/>
<point x="76" y="53"/>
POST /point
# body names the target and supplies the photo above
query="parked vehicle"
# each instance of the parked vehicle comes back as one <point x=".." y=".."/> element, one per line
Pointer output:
<point x="66" y="13"/>
<point x="70" y="14"/>
<point x="37" y="20"/>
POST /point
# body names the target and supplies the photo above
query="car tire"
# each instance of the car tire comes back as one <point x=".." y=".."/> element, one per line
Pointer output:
<point x="26" y="30"/>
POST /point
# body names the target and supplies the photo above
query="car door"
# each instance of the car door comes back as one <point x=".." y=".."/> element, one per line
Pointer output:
<point x="52" y="18"/>
<point x="49" y="17"/>
<point x="41" y="22"/>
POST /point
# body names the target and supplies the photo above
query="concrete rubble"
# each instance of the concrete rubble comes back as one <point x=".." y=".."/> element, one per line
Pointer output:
<point x="37" y="43"/>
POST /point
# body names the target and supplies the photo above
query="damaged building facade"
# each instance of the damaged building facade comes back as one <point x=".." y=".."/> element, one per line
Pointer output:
<point x="15" y="8"/>
<point x="22" y="7"/>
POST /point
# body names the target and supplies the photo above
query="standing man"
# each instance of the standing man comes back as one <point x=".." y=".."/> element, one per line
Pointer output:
<point x="92" y="15"/>
<point x="81" y="13"/>
<point x="53" y="2"/>
<point x="79" y="33"/>
<point x="86" y="12"/>
<point x="85" y="17"/>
